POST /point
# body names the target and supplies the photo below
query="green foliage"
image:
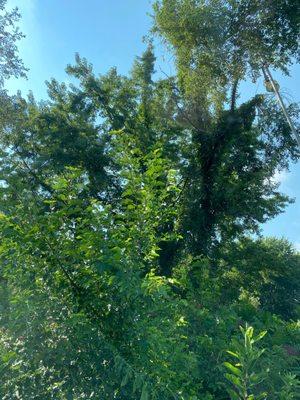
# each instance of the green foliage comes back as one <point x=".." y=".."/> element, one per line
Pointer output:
<point x="217" y="42"/>
<point x="243" y="374"/>
<point x="250" y="376"/>
<point x="267" y="269"/>
<point x="127" y="208"/>
<point x="10" y="63"/>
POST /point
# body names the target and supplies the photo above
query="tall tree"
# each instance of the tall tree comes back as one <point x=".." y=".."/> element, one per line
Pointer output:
<point x="125" y="205"/>
<point x="234" y="150"/>
<point x="10" y="63"/>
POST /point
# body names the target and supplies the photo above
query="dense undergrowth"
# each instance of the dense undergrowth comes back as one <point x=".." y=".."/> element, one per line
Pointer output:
<point x="131" y="261"/>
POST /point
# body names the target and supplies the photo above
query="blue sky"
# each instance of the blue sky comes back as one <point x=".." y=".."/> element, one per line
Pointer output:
<point x="109" y="33"/>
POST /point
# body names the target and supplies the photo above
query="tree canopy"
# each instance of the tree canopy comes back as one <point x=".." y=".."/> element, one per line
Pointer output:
<point x="10" y="63"/>
<point x="130" y="217"/>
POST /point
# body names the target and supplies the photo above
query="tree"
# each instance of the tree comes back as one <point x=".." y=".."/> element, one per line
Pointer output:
<point x="126" y="207"/>
<point x="10" y="63"/>
<point x="268" y="269"/>
<point x="108" y="284"/>
<point x="234" y="150"/>
<point x="221" y="42"/>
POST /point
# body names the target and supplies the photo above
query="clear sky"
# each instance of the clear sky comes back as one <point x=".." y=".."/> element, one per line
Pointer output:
<point x="110" y="33"/>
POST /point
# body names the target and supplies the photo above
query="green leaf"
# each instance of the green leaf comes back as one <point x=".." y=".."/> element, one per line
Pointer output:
<point x="262" y="396"/>
<point x="233" y="369"/>
<point x="125" y="379"/>
<point x="260" y="336"/>
<point x="235" y="380"/>
<point x="249" y="332"/>
<point x="137" y="383"/>
<point x="145" y="393"/>
<point x="233" y="395"/>
<point x="233" y="354"/>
